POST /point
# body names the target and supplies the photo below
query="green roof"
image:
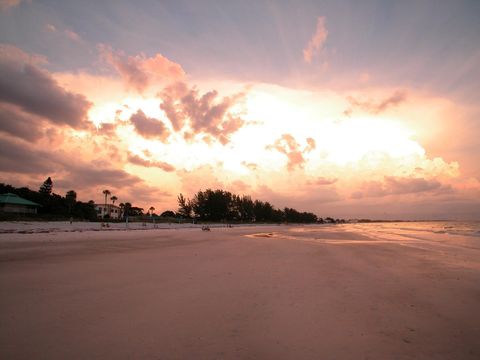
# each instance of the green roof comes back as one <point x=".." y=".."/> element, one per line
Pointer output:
<point x="10" y="198"/>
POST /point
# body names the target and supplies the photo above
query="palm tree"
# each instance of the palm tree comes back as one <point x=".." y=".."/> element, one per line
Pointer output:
<point x="126" y="209"/>
<point x="113" y="198"/>
<point x="71" y="198"/>
<point x="106" y="192"/>
<point x="151" y="210"/>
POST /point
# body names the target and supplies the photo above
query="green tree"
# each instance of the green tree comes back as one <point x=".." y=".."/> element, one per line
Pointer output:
<point x="127" y="209"/>
<point x="106" y="192"/>
<point x="46" y="187"/>
<point x="184" y="206"/>
<point x="168" y="213"/>
<point x="71" y="198"/>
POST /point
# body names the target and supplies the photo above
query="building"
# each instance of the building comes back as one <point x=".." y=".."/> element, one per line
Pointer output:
<point x="12" y="203"/>
<point x="114" y="211"/>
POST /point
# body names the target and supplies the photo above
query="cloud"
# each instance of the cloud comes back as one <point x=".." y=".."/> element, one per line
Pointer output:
<point x="140" y="71"/>
<point x="302" y="200"/>
<point x="205" y="114"/>
<point x="311" y="145"/>
<point x="397" y="185"/>
<point x="14" y="121"/>
<point x="374" y="107"/>
<point x="149" y="127"/>
<point x="34" y="90"/>
<point x="137" y="160"/>
<point x="251" y="166"/>
<point x="107" y="129"/>
<point x="70" y="34"/>
<point x="287" y="145"/>
<point x="95" y="173"/>
<point x="392" y="185"/>
<point x="12" y="54"/>
<point x="21" y="158"/>
<point x="200" y="178"/>
<point x="323" y="181"/>
<point x="357" y="195"/>
<point x="317" y="41"/>
<point x="143" y="195"/>
<point x="51" y="27"/>
<point x="239" y="186"/>
<point x="7" y="4"/>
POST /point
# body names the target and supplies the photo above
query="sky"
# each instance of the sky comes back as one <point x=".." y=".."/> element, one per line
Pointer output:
<point x="352" y="109"/>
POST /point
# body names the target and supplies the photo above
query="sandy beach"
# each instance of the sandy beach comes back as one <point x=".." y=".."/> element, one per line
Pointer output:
<point x="372" y="291"/>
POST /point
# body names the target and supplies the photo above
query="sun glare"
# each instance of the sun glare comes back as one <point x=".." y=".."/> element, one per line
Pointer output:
<point x="363" y="142"/>
<point x="353" y="139"/>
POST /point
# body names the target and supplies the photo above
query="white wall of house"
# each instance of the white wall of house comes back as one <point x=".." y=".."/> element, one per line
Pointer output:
<point x="114" y="211"/>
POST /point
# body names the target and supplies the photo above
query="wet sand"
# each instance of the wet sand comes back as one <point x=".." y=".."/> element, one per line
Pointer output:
<point x="283" y="292"/>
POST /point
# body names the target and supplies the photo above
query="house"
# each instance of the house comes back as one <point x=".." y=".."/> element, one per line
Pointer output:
<point x="114" y="211"/>
<point x="12" y="203"/>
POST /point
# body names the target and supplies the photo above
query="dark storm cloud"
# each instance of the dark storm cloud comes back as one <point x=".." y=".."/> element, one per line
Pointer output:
<point x="24" y="84"/>
<point x="22" y="158"/>
<point x="19" y="124"/>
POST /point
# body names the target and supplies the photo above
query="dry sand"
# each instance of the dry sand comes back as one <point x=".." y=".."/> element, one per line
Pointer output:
<point x="336" y="292"/>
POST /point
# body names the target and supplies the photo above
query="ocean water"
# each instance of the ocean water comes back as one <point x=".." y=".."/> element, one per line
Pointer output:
<point x="421" y="234"/>
<point x="462" y="228"/>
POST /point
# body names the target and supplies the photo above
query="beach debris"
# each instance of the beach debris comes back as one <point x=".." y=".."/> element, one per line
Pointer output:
<point x="205" y="228"/>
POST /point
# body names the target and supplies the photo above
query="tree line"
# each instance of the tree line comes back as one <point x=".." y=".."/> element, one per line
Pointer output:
<point x="220" y="205"/>
<point x="53" y="205"/>
<point x="208" y="205"/>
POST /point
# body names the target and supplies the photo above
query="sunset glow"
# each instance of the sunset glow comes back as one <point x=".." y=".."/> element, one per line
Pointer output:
<point x="356" y="116"/>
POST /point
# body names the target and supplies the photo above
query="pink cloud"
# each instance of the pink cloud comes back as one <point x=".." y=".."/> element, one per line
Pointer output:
<point x="322" y="181"/>
<point x="197" y="113"/>
<point x="200" y="178"/>
<point x="68" y="33"/>
<point x="317" y="41"/>
<point x="137" y="160"/>
<point x="72" y="35"/>
<point x="376" y="107"/>
<point x="13" y="54"/>
<point x="288" y="146"/>
<point x="392" y="185"/>
<point x="311" y="145"/>
<point x="140" y="71"/>
<point x="7" y="4"/>
<point x="107" y="129"/>
<point x="159" y="64"/>
<point x="149" y="127"/>
<point x="239" y="186"/>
